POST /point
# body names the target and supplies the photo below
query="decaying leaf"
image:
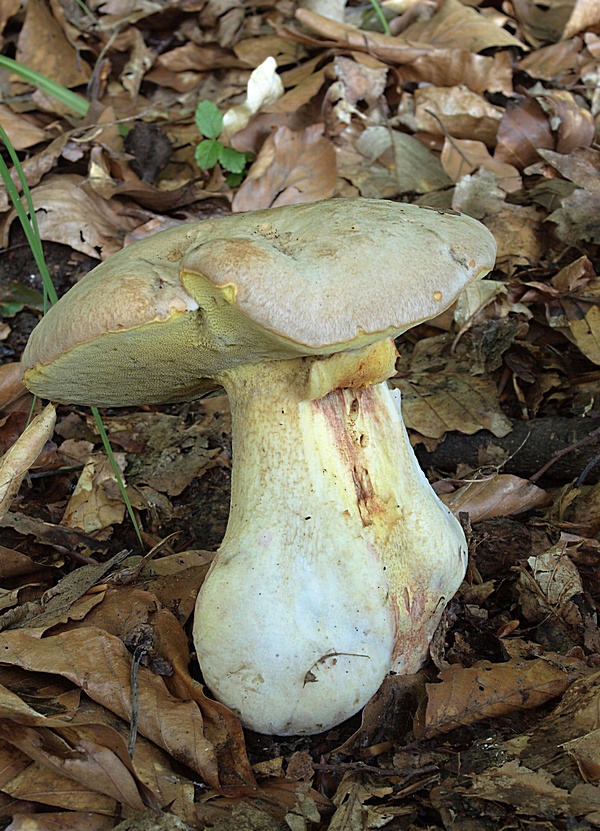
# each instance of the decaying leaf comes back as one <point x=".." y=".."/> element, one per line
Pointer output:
<point x="499" y="495"/>
<point x="292" y="167"/>
<point x="16" y="462"/>
<point x="468" y="695"/>
<point x="432" y="405"/>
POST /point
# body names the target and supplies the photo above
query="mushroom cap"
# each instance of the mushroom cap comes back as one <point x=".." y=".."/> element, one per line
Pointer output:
<point x="159" y="321"/>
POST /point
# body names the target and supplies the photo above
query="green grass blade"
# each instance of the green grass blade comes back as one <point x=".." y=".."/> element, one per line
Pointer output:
<point x="72" y="100"/>
<point x="117" y="472"/>
<point x="381" y="17"/>
<point x="26" y="217"/>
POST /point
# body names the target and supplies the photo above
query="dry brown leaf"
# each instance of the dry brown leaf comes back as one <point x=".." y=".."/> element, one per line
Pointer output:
<point x="36" y="166"/>
<point x="572" y="123"/>
<point x="530" y="792"/>
<point x="542" y="24"/>
<point x="69" y="212"/>
<point x="435" y="404"/>
<point x="501" y="495"/>
<point x="92" y="755"/>
<point x="21" y="132"/>
<point x="548" y="62"/>
<point x="412" y="166"/>
<point x="456" y="111"/>
<point x="418" y="61"/>
<point x="100" y="664"/>
<point x="524" y="129"/>
<point x="15" y="463"/>
<point x="584" y="800"/>
<point x="291" y="167"/>
<point x="468" y="695"/>
<point x="458" y="26"/>
<point x="173" y="454"/>
<point x="460" y="157"/>
<point x="580" y="321"/>
<point x="585" y="14"/>
<point x="43" y="46"/>
<point x="96" y="503"/>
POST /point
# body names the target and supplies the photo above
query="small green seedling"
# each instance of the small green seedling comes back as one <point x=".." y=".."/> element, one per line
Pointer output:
<point x="209" y="121"/>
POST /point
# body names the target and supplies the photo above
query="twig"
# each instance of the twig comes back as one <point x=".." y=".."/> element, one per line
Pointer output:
<point x="560" y="453"/>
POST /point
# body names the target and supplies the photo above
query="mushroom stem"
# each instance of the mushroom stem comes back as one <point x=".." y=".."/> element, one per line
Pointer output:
<point x="338" y="558"/>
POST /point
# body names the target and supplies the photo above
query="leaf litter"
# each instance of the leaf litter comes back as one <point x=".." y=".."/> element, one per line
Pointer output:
<point x="489" y="109"/>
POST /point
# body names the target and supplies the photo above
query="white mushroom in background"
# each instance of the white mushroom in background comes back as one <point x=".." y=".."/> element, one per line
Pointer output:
<point x="338" y="559"/>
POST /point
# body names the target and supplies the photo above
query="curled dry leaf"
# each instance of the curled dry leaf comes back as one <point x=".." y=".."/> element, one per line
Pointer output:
<point x="290" y="168"/>
<point x="100" y="663"/>
<point x="585" y="14"/>
<point x="21" y="132"/>
<point x="16" y="462"/>
<point x="500" y="495"/>
<point x="92" y="755"/>
<point x="68" y="212"/>
<point x="96" y="503"/>
<point x="468" y="695"/>
<point x="461" y="157"/>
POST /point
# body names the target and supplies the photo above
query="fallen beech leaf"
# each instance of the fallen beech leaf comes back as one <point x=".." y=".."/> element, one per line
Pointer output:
<point x="580" y="321"/>
<point x="542" y="24"/>
<point x="291" y="167"/>
<point x="436" y="404"/>
<point x="93" y="755"/>
<point x="585" y="800"/>
<point x="455" y="25"/>
<point x="21" y="132"/>
<point x="461" y="157"/>
<point x="548" y="62"/>
<point x="61" y="62"/>
<point x="70" y="213"/>
<point x="585" y="14"/>
<point x="418" y="61"/>
<point x="93" y="504"/>
<point x="524" y="129"/>
<point x="468" y="695"/>
<point x="501" y="495"/>
<point x="13" y="395"/>
<point x="100" y="664"/>
<point x="16" y="462"/>
<point x="456" y="111"/>
<point x="413" y="167"/>
<point x="530" y="792"/>
<point x="59" y="821"/>
<point x="572" y="124"/>
<point x="516" y="228"/>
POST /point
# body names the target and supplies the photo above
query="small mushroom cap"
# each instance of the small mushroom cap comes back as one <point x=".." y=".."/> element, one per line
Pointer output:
<point x="159" y="321"/>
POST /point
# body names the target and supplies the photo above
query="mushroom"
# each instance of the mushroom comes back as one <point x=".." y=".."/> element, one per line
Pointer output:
<point x="339" y="558"/>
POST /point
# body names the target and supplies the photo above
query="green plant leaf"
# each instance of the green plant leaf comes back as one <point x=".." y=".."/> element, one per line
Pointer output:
<point x="207" y="154"/>
<point x="209" y="120"/>
<point x="234" y="179"/>
<point x="232" y="160"/>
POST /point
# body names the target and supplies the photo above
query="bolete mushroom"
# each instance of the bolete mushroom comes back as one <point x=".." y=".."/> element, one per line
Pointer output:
<point x="338" y="559"/>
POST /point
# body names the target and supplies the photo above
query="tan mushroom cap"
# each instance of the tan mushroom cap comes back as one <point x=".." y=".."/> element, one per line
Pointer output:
<point x="160" y="319"/>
